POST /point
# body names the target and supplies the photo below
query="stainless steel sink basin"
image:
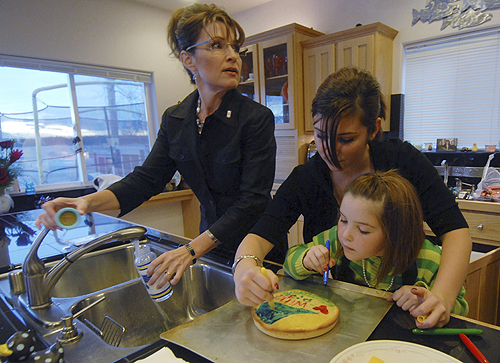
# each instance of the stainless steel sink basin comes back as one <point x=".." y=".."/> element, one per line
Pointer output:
<point x="129" y="308"/>
<point x="97" y="271"/>
<point x="127" y="319"/>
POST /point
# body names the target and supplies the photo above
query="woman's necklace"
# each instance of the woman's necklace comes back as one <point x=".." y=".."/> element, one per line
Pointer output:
<point x="366" y="280"/>
<point x="198" y="121"/>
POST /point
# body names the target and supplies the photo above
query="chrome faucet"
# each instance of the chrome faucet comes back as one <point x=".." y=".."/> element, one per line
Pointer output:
<point x="444" y="163"/>
<point x="39" y="283"/>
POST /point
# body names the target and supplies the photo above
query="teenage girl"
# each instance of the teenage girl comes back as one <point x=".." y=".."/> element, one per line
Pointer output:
<point x="379" y="242"/>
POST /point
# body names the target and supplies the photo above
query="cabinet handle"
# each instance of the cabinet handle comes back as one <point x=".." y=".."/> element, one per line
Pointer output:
<point x="479" y="226"/>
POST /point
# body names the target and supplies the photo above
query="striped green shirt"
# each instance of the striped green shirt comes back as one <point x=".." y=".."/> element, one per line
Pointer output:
<point x="428" y="261"/>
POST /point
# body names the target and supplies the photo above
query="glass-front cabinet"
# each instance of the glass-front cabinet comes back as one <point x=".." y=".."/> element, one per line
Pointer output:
<point x="249" y="85"/>
<point x="275" y="81"/>
<point x="274" y="58"/>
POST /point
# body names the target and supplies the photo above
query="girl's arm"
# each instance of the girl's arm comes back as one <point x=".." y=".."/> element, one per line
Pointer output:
<point x="303" y="260"/>
<point x="452" y="272"/>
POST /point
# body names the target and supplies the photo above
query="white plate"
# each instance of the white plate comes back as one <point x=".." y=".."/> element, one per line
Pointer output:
<point x="392" y="351"/>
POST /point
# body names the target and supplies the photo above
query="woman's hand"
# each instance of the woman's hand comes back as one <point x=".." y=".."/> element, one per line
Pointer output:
<point x="421" y="302"/>
<point x="173" y="263"/>
<point x="317" y="259"/>
<point x="47" y="218"/>
<point x="251" y="286"/>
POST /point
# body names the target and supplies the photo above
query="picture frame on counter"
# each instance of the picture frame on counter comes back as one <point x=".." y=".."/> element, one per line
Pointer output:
<point x="447" y="144"/>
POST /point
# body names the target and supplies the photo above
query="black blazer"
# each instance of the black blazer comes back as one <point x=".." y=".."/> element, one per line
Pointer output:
<point x="230" y="166"/>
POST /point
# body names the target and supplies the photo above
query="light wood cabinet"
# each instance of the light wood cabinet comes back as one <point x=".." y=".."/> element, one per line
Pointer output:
<point x="319" y="62"/>
<point x="483" y="287"/>
<point x="276" y="60"/>
<point x="369" y="47"/>
<point x="277" y="65"/>
<point x="483" y="275"/>
<point x="249" y="86"/>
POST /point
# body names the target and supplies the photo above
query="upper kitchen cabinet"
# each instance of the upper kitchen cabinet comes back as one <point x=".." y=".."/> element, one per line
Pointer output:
<point x="368" y="47"/>
<point x="249" y="74"/>
<point x="278" y="71"/>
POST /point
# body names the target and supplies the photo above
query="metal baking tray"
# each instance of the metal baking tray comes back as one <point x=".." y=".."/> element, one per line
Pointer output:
<point x="228" y="334"/>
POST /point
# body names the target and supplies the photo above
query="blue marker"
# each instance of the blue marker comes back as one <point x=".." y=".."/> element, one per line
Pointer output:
<point x="325" y="274"/>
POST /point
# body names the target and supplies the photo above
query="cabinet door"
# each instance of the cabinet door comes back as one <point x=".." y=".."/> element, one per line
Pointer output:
<point x="356" y="52"/>
<point x="275" y="61"/>
<point x="249" y="85"/>
<point x="319" y="62"/>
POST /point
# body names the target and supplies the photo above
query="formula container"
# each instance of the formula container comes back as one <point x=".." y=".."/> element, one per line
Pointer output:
<point x="143" y="257"/>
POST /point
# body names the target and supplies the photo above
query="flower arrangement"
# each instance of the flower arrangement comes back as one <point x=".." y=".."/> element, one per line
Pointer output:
<point x="8" y="156"/>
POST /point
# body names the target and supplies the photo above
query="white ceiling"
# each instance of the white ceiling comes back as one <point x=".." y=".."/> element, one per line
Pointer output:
<point x="231" y="6"/>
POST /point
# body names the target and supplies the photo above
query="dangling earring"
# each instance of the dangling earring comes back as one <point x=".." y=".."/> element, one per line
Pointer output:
<point x="194" y="76"/>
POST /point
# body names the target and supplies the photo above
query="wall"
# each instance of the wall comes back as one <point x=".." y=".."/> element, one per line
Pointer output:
<point x="116" y="33"/>
<point x="329" y="16"/>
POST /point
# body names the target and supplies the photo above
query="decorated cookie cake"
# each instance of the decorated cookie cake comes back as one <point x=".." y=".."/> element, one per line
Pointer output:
<point x="297" y="314"/>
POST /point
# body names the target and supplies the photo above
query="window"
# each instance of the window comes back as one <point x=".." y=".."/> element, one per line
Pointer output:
<point x="74" y="122"/>
<point x="452" y="89"/>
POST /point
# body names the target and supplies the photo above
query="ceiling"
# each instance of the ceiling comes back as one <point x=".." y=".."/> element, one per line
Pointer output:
<point x="230" y="6"/>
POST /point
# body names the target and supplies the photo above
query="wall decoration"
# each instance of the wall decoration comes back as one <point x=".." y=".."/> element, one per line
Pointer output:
<point x="435" y="10"/>
<point x="465" y="15"/>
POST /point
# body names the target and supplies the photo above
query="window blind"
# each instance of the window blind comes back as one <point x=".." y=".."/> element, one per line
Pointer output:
<point x="452" y="89"/>
<point x="74" y="68"/>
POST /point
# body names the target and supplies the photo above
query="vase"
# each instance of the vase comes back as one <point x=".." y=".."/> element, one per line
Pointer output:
<point x="6" y="203"/>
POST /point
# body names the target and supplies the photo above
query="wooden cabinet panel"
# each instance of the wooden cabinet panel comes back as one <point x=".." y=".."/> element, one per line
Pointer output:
<point x="357" y="52"/>
<point x="369" y="47"/>
<point x="483" y="287"/>
<point x="483" y="227"/>
<point x="319" y="62"/>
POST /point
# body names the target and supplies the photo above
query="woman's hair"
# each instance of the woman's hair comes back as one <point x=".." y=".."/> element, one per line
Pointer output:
<point x="187" y="23"/>
<point x="346" y="93"/>
<point x="401" y="218"/>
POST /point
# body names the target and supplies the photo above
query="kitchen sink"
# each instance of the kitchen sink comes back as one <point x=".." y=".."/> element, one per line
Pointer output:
<point x="127" y="317"/>
<point x="96" y="271"/>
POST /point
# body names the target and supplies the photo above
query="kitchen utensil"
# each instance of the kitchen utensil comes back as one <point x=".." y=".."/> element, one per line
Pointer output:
<point x="111" y="331"/>
<point x="234" y="322"/>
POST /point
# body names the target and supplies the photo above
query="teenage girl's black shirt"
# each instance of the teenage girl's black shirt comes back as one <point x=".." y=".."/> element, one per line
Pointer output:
<point x="308" y="191"/>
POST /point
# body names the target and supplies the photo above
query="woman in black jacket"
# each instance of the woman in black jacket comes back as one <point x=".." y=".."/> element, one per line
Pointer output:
<point x="221" y="142"/>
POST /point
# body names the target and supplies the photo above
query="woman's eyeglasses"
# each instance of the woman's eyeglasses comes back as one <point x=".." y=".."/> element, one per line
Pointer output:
<point x="220" y="47"/>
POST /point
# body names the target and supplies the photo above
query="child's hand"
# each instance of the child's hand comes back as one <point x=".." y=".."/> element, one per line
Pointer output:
<point x="316" y="259"/>
<point x="421" y="302"/>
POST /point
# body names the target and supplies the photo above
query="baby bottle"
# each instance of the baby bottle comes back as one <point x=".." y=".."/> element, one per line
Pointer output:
<point x="143" y="257"/>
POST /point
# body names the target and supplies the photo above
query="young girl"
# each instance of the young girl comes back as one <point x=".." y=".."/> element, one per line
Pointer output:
<point x="379" y="242"/>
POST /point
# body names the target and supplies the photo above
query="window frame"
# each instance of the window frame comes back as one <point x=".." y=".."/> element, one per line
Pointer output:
<point x="72" y="69"/>
<point x="453" y="40"/>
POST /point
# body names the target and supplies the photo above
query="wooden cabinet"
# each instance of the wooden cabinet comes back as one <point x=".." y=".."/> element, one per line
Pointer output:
<point x="319" y="62"/>
<point x="277" y="65"/>
<point x="249" y="86"/>
<point x="276" y="60"/>
<point x="483" y="275"/>
<point x="369" y="47"/>
<point x="483" y="287"/>
<point x="484" y="221"/>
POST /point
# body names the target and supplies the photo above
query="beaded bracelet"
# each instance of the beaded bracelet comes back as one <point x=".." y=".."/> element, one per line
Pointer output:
<point x="259" y="262"/>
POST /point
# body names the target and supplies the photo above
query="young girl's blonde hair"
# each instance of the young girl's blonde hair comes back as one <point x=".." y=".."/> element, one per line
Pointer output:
<point x="400" y="217"/>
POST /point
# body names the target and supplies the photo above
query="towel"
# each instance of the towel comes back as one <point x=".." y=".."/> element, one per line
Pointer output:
<point x="164" y="355"/>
